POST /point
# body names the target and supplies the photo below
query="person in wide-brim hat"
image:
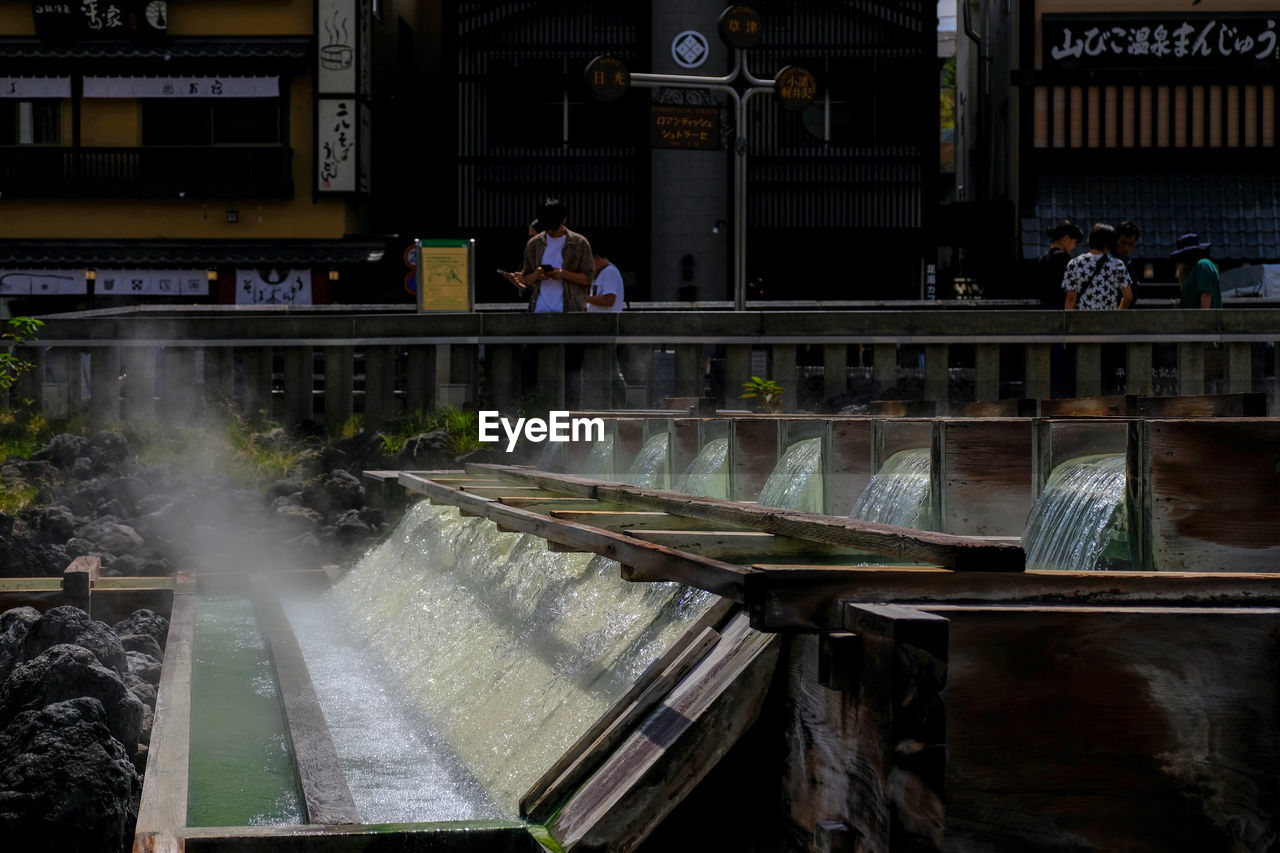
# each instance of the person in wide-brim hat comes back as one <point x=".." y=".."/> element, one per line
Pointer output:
<point x="1201" y="284"/>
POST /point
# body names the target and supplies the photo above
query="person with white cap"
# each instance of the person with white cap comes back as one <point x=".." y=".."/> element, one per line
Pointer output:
<point x="1201" y="285"/>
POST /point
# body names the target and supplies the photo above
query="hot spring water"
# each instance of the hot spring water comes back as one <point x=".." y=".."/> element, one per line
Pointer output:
<point x="241" y="762"/>
<point x="796" y="481"/>
<point x="599" y="463"/>
<point x="1079" y="521"/>
<point x="470" y="660"/>
<point x="649" y="469"/>
<point x="708" y="474"/>
<point x="899" y="493"/>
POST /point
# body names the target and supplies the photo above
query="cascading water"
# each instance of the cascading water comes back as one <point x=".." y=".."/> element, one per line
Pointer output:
<point x="708" y="474"/>
<point x="599" y="462"/>
<point x="796" y="481"/>
<point x="508" y="652"/>
<point x="649" y="470"/>
<point x="1079" y="522"/>
<point x="899" y="493"/>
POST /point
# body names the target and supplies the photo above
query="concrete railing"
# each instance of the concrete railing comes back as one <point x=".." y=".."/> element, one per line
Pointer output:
<point x="327" y="363"/>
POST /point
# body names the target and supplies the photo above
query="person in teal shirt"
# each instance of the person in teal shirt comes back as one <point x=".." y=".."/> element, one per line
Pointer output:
<point x="1201" y="287"/>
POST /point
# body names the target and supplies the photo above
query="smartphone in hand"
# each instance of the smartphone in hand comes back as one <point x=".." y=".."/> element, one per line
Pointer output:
<point x="547" y="268"/>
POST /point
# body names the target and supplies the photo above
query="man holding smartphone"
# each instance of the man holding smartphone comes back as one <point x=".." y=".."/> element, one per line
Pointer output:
<point x="558" y="263"/>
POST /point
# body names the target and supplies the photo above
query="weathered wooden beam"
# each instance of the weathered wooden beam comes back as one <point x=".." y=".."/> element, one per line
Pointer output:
<point x="162" y="812"/>
<point x="78" y="579"/>
<point x="507" y="490"/>
<point x="809" y="598"/>
<point x="568" y="484"/>
<point x="619" y="520"/>
<point x="541" y="802"/>
<point x="675" y="746"/>
<point x="900" y="543"/>
<point x="737" y="546"/>
<point x="324" y="786"/>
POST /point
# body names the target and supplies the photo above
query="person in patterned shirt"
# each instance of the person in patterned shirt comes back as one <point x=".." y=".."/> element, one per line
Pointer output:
<point x="1097" y="280"/>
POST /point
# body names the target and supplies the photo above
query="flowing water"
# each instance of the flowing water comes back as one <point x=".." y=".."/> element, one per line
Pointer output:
<point x="796" y="481"/>
<point x="599" y="463"/>
<point x="649" y="470"/>
<point x="492" y="654"/>
<point x="899" y="493"/>
<point x="1079" y="521"/>
<point x="708" y="474"/>
<point x="241" y="768"/>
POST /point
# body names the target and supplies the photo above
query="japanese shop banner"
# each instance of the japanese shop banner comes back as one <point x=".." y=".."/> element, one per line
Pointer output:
<point x="342" y="148"/>
<point x="1161" y="40"/>
<point x="181" y="87"/>
<point x="47" y="282"/>
<point x="100" y="19"/>
<point x="273" y="287"/>
<point x="108" y="282"/>
<point x="35" y="87"/>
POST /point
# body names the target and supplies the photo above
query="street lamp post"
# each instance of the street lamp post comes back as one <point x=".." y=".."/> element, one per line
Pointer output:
<point x="740" y="28"/>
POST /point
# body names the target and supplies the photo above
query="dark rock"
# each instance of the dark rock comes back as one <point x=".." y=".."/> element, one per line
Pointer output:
<point x="70" y="672"/>
<point x="82" y="468"/>
<point x="108" y="449"/>
<point x="6" y="524"/>
<point x="111" y="536"/>
<point x="426" y="451"/>
<point x="23" y="557"/>
<point x="77" y="547"/>
<point x="15" y="624"/>
<point x="33" y="472"/>
<point x="363" y="452"/>
<point x="50" y="525"/>
<point x="480" y="454"/>
<point x="144" y="643"/>
<point x="280" y="488"/>
<point x="298" y="519"/>
<point x="63" y="450"/>
<point x="145" y="667"/>
<point x="128" y="491"/>
<point x="144" y="621"/>
<point x="333" y="492"/>
<point x="69" y="624"/>
<point x="124" y="566"/>
<point x="66" y="785"/>
<point x="145" y="691"/>
<point x="349" y="527"/>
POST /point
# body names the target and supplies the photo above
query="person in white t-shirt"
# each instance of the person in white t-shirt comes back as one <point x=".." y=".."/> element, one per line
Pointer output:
<point x="607" y="296"/>
<point x="607" y="292"/>
<point x="557" y="263"/>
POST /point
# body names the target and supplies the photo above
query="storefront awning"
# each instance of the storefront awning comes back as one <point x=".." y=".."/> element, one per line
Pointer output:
<point x="92" y="254"/>
<point x="173" y="48"/>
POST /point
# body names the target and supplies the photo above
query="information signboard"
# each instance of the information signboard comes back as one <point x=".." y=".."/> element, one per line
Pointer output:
<point x="696" y="128"/>
<point x="445" y="275"/>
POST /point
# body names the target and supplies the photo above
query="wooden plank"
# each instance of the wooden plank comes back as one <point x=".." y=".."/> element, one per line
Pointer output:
<point x="619" y="520"/>
<point x="899" y="543"/>
<point x="542" y="806"/>
<point x="984" y="475"/>
<point x="568" y="484"/>
<point x="324" y="785"/>
<point x="1213" y="488"/>
<point x="737" y="546"/>
<point x="490" y="836"/>
<point x="676" y="746"/>
<point x="547" y="504"/>
<point x="1065" y="724"/>
<point x="807" y="598"/>
<point x="162" y="812"/>
<point x="1083" y="407"/>
<point x="507" y="490"/>
<point x="586" y="753"/>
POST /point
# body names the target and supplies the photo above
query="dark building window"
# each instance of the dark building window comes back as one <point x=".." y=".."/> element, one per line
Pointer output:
<point x="248" y="121"/>
<point x="525" y="104"/>
<point x="861" y="103"/>
<point x="31" y="122"/>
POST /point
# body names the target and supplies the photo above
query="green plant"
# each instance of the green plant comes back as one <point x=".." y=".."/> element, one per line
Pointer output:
<point x="768" y="392"/>
<point x="22" y="330"/>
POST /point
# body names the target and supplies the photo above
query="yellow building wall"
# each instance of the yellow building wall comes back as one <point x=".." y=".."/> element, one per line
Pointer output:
<point x="109" y="123"/>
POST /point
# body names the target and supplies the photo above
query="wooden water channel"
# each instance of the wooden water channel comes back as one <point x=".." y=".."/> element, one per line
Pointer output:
<point x="963" y="705"/>
<point x="858" y="686"/>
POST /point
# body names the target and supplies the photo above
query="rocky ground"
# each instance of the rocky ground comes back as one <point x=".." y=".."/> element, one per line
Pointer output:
<point x="77" y="696"/>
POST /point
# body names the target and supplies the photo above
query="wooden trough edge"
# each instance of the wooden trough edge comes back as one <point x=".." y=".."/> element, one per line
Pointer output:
<point x="325" y="792"/>
<point x="640" y="560"/>
<point x="961" y="553"/>
<point x="809" y="598"/>
<point x="162" y="809"/>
